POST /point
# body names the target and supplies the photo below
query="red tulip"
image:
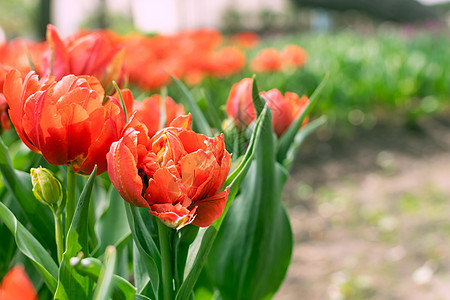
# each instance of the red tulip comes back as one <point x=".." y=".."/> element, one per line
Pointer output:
<point x="240" y="104"/>
<point x="155" y="113"/>
<point x="293" y="56"/>
<point x="66" y="121"/>
<point x="177" y="174"/>
<point x="285" y="109"/>
<point x="226" y="61"/>
<point x="95" y="54"/>
<point x="267" y="60"/>
<point x="246" y="39"/>
<point x="16" y="285"/>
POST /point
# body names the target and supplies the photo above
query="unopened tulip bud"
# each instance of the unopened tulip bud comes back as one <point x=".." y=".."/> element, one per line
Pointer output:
<point x="46" y="187"/>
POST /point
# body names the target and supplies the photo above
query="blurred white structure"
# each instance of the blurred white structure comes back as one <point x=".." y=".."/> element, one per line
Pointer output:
<point x="163" y="16"/>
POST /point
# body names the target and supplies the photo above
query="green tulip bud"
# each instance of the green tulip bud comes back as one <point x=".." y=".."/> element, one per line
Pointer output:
<point x="46" y="188"/>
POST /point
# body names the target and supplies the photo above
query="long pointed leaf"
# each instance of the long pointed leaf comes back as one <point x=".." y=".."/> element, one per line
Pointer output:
<point x="92" y="267"/>
<point x="202" y="245"/>
<point x="31" y="248"/>
<point x="199" y="120"/>
<point x="253" y="248"/>
<point x="149" y="253"/>
<point x="258" y="102"/>
<point x="105" y="279"/>
<point x="19" y="184"/>
<point x="71" y="284"/>
<point x="299" y="138"/>
<point x="288" y="137"/>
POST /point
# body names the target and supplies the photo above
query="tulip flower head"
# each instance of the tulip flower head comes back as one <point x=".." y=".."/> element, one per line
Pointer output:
<point x="267" y="60"/>
<point x="156" y="112"/>
<point x="285" y="109"/>
<point x="16" y="285"/>
<point x="177" y="173"/>
<point x="293" y="56"/>
<point x="66" y="121"/>
<point x="95" y="54"/>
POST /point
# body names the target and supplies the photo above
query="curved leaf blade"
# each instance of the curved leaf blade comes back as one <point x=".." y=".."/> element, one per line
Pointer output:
<point x="30" y="247"/>
<point x="71" y="284"/>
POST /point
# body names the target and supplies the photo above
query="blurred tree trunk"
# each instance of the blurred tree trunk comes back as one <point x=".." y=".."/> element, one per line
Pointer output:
<point x="44" y="17"/>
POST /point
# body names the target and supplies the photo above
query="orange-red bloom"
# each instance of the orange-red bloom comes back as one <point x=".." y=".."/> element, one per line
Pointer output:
<point x="16" y="285"/>
<point x="293" y="56"/>
<point x="155" y="112"/>
<point x="285" y="109"/>
<point x="267" y="60"/>
<point x="246" y="39"/>
<point x="177" y="174"/>
<point x="95" y="54"/>
<point x="240" y="104"/>
<point x="66" y="121"/>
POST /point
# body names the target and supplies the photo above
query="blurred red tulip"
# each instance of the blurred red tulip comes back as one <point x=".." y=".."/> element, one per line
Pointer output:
<point x="66" y="121"/>
<point x="23" y="55"/>
<point x="226" y="61"/>
<point x="285" y="109"/>
<point x="267" y="60"/>
<point x="155" y="112"/>
<point x="17" y="286"/>
<point x="293" y="56"/>
<point x="177" y="174"/>
<point x="246" y="39"/>
<point x="94" y="54"/>
<point x="240" y="104"/>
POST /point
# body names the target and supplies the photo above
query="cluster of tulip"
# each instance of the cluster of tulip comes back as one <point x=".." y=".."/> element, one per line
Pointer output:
<point x="174" y="177"/>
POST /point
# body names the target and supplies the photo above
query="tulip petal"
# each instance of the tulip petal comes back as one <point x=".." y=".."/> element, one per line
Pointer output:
<point x="183" y="121"/>
<point x="164" y="188"/>
<point x="174" y="216"/>
<point x="210" y="209"/>
<point x="17" y="285"/>
<point x="123" y="172"/>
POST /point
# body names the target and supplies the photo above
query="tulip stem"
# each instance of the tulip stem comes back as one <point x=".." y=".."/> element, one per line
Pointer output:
<point x="166" y="260"/>
<point x="59" y="235"/>
<point x="71" y="190"/>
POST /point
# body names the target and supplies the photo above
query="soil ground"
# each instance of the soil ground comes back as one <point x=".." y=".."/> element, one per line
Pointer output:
<point x="371" y="215"/>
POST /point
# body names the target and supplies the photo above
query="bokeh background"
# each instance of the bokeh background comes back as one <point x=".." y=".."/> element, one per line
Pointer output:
<point x="369" y="193"/>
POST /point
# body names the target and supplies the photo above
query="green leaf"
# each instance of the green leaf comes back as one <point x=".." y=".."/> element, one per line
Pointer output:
<point x="92" y="266"/>
<point x="201" y="248"/>
<point x="112" y="226"/>
<point x="300" y="137"/>
<point x="198" y="118"/>
<point x="18" y="184"/>
<point x="234" y="179"/>
<point x="182" y="241"/>
<point x="105" y="279"/>
<point x="147" y="249"/>
<point x="141" y="276"/>
<point x="289" y="135"/>
<point x="71" y="284"/>
<point x="258" y="102"/>
<point x="212" y="111"/>
<point x="31" y="248"/>
<point x="253" y="248"/>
